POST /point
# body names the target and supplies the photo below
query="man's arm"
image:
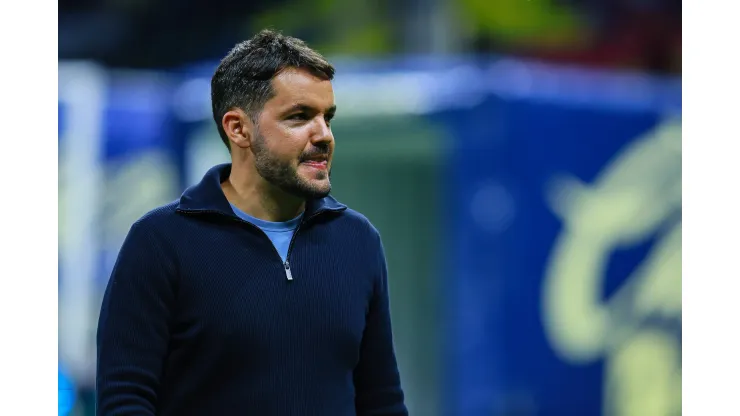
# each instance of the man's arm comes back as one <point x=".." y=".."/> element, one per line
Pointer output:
<point x="377" y="381"/>
<point x="133" y="329"/>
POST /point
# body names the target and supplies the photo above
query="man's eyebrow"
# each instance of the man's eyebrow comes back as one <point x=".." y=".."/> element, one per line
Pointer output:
<point x="308" y="109"/>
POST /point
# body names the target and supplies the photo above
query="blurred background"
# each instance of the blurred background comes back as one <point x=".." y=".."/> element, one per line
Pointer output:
<point x="531" y="148"/>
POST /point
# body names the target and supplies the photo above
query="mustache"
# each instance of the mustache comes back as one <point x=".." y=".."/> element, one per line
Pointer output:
<point x="316" y="153"/>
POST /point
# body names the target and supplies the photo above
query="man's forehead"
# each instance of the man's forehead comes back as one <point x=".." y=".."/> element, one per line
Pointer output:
<point x="292" y="85"/>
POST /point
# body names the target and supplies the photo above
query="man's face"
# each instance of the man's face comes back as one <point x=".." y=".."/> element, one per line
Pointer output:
<point x="293" y="143"/>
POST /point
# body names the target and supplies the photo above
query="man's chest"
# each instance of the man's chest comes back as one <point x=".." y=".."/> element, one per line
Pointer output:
<point x="241" y="295"/>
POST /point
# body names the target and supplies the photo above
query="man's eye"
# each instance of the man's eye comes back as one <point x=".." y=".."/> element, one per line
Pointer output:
<point x="299" y="116"/>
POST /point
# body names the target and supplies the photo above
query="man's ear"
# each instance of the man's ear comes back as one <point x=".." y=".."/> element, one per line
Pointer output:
<point x="238" y="127"/>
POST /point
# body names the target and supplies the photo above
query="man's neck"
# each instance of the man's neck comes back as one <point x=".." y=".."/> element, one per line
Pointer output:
<point x="260" y="199"/>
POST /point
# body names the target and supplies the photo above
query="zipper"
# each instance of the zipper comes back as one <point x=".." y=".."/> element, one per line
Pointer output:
<point x="288" y="273"/>
<point x="286" y="263"/>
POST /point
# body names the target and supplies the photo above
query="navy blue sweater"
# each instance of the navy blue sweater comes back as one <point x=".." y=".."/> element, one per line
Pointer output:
<point x="200" y="317"/>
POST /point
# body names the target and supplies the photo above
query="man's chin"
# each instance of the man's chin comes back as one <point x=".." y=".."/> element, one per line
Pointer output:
<point x="318" y="192"/>
<point x="311" y="188"/>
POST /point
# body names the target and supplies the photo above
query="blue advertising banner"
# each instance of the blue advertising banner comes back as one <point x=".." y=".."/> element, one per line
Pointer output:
<point x="565" y="232"/>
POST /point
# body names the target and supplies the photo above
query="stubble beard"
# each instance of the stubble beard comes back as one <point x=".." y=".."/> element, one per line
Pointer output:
<point x="283" y="175"/>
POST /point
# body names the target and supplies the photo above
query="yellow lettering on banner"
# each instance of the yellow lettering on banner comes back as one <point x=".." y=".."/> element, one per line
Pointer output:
<point x="636" y="197"/>
<point x="643" y="376"/>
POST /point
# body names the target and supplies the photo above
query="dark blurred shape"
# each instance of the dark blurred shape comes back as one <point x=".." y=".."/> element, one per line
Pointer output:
<point x="152" y="33"/>
<point x="633" y="34"/>
<point x="627" y="34"/>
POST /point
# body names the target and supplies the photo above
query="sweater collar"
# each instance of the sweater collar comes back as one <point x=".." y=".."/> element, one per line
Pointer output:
<point x="207" y="196"/>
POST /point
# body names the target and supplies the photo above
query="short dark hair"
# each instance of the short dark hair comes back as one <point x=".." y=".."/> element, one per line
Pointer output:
<point x="243" y="79"/>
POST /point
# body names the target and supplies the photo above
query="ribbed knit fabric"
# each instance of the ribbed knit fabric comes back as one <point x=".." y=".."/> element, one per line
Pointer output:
<point x="199" y="317"/>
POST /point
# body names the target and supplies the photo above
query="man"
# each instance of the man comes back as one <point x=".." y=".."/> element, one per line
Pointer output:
<point x="255" y="293"/>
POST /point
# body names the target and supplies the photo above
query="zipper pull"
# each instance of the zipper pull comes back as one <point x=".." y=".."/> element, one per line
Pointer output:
<point x="288" y="274"/>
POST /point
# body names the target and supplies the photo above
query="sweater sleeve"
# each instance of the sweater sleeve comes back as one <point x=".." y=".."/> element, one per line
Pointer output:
<point x="133" y="328"/>
<point x="377" y="381"/>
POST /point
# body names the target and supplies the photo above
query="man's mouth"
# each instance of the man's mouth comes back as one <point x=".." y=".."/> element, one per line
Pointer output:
<point x="317" y="162"/>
